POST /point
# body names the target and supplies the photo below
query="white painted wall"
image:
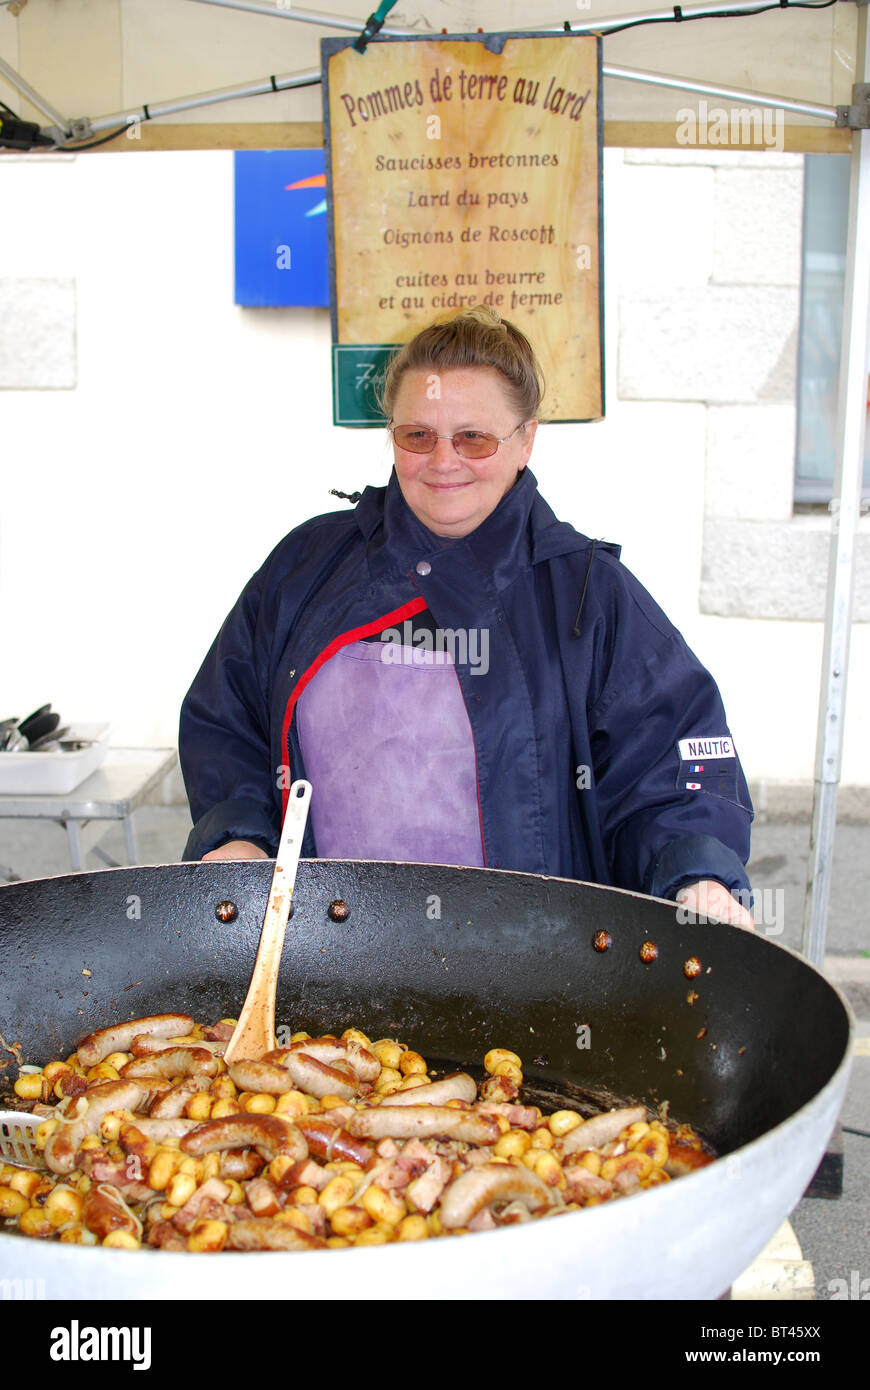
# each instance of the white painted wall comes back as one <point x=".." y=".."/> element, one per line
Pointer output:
<point x="139" y="502"/>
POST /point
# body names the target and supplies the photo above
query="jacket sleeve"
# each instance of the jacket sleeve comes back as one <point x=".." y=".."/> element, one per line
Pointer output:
<point x="224" y="743"/>
<point x="663" y="825"/>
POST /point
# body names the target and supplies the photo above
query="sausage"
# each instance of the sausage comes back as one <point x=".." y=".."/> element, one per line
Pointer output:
<point x="458" y="1086"/>
<point x="175" y="1061"/>
<point x="170" y="1104"/>
<point x="103" y="1211"/>
<point x="315" y="1077"/>
<point x="423" y="1122"/>
<point x="166" y="1127"/>
<point x="331" y="1050"/>
<point x="266" y="1078"/>
<point x="328" y="1140"/>
<point x="480" y="1187"/>
<point x="118" y="1038"/>
<point x="270" y="1135"/>
<point x="592" y="1134"/>
<point x="270" y="1235"/>
<point x="240" y="1164"/>
<point x="144" y="1045"/>
<point x="63" y="1145"/>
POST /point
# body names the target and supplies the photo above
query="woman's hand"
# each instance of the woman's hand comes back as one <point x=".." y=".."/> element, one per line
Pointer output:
<point x="236" y="849"/>
<point x="711" y="899"/>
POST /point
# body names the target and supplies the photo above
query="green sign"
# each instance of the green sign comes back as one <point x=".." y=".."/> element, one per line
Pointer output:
<point x="356" y="374"/>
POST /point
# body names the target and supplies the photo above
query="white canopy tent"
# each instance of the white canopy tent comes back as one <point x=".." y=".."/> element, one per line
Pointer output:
<point x="212" y="74"/>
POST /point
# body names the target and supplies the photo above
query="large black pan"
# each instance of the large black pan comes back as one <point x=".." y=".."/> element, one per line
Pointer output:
<point x="753" y="1050"/>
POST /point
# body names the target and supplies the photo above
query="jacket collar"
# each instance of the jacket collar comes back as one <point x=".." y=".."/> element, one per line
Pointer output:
<point x="521" y="530"/>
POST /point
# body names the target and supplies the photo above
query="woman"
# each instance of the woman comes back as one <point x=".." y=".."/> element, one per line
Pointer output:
<point x="463" y="678"/>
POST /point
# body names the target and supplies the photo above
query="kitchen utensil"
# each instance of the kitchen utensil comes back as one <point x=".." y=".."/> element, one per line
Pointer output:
<point x="255" y="1031"/>
<point x="37" y="728"/>
<point x="18" y="1139"/>
<point x="754" y="1050"/>
<point x="49" y="741"/>
<point x="25" y="725"/>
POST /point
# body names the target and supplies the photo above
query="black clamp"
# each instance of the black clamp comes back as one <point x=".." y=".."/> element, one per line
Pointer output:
<point x="373" y="26"/>
<point x="856" y="116"/>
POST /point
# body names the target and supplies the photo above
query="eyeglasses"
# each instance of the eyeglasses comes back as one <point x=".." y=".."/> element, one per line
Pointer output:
<point x="469" y="444"/>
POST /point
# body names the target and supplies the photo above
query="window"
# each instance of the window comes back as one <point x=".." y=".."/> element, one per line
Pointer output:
<point x="826" y="202"/>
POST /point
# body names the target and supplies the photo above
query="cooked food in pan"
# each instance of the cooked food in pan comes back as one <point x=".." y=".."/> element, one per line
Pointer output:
<point x="149" y="1139"/>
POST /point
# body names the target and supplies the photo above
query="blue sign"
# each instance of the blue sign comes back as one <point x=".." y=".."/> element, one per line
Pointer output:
<point x="281" y="250"/>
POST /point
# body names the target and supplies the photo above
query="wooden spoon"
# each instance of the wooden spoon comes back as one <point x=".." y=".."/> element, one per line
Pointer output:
<point x="255" y="1031"/>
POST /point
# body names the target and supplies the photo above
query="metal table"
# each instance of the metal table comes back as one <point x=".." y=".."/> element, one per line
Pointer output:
<point x="112" y="793"/>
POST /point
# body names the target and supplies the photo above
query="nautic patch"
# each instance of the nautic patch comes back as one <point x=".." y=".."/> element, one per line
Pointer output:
<point x="708" y="764"/>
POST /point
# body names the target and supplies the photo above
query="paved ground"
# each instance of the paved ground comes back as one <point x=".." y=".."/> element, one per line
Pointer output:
<point x="834" y="1234"/>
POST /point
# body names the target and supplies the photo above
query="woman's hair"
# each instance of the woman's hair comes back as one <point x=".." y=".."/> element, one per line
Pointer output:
<point x="476" y="337"/>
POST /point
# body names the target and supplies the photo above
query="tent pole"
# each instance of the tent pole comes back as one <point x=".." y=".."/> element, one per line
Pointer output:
<point x="263" y="86"/>
<point x="846" y="510"/>
<point x="34" y="98"/>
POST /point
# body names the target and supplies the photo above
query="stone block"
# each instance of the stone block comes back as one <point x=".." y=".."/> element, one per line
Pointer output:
<point x="750" y="462"/>
<point x="757" y="226"/>
<point x="773" y="570"/>
<point x="717" y="344"/>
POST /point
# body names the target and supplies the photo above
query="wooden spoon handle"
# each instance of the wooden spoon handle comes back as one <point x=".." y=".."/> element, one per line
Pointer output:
<point x="255" y="1031"/>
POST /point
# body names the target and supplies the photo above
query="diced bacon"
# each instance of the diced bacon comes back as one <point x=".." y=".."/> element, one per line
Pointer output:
<point x="219" y="1032"/>
<point x="425" y="1190"/>
<point x="188" y="1215"/>
<point x="517" y="1116"/>
<point x="582" y="1183"/>
<point x="263" y="1197"/>
<point x="165" y="1236"/>
<point x="316" y="1216"/>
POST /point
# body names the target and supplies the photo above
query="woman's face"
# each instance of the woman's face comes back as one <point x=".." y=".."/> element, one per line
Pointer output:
<point x="449" y="494"/>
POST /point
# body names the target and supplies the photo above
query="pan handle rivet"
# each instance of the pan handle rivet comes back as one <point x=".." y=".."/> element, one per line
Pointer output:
<point x="338" y="910"/>
<point x="226" y="911"/>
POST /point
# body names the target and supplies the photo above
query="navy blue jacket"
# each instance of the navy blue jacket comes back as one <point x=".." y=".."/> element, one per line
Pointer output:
<point x="576" y="722"/>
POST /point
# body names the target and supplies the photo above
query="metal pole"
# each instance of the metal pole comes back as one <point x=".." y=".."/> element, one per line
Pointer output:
<point x="263" y="86"/>
<point x="686" y="84"/>
<point x="846" y="509"/>
<point x="326" y="21"/>
<point x="34" y="98"/>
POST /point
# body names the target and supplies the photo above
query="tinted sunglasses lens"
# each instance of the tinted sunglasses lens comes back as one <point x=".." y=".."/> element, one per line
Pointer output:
<point x="471" y="444"/>
<point x="414" y="440"/>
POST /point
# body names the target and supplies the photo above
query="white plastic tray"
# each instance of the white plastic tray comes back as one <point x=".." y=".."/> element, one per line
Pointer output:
<point x="53" y="773"/>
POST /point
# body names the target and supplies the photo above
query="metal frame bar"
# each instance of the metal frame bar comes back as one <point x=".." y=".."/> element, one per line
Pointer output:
<point x="263" y="86"/>
<point x="326" y="21"/>
<point x="846" y="509"/>
<point x="279" y="10"/>
<point x="12" y="77"/>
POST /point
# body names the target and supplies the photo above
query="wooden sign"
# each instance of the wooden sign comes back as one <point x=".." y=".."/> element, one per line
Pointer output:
<point x="464" y="171"/>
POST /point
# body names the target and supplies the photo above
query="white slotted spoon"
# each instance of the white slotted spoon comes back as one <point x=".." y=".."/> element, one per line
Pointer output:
<point x="18" y="1139"/>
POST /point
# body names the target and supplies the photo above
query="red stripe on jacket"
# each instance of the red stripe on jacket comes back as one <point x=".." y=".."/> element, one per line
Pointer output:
<point x="355" y="634"/>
